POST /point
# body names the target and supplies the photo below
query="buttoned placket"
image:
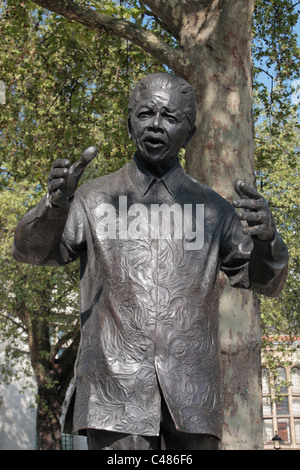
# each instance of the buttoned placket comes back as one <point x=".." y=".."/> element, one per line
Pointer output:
<point x="159" y="191"/>
<point x="162" y="196"/>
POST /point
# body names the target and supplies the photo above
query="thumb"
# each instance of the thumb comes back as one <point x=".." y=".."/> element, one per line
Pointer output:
<point x="239" y="188"/>
<point x="86" y="157"/>
<point x="77" y="169"/>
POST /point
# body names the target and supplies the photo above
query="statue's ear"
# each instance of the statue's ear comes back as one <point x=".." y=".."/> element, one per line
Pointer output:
<point x="129" y="129"/>
<point x="189" y="137"/>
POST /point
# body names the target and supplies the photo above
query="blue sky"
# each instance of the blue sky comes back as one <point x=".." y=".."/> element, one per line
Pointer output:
<point x="295" y="83"/>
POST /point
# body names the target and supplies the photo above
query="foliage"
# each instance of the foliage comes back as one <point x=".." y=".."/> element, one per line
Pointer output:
<point x="277" y="154"/>
<point x="277" y="57"/>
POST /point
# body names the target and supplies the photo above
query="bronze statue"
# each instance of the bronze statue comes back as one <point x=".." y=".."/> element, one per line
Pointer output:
<point x="151" y="241"/>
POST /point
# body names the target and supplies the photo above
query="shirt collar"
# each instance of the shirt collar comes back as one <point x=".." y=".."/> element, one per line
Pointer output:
<point x="143" y="178"/>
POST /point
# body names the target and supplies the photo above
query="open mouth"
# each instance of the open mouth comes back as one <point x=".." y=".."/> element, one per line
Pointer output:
<point x="154" y="143"/>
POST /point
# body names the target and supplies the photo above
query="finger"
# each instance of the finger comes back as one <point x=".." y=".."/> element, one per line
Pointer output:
<point x="55" y="194"/>
<point x="251" y="204"/>
<point x="56" y="183"/>
<point x="61" y="163"/>
<point x="261" y="217"/>
<point x="250" y="216"/>
<point x="255" y="230"/>
<point x="58" y="173"/>
<point x="245" y="190"/>
<point x="58" y="198"/>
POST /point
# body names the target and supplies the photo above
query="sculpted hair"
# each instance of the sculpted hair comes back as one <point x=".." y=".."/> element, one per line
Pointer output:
<point x="166" y="81"/>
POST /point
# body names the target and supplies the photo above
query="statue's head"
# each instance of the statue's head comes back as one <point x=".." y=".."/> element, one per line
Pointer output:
<point x="162" y="115"/>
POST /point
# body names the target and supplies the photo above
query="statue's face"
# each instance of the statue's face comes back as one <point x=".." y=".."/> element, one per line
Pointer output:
<point x="159" y="125"/>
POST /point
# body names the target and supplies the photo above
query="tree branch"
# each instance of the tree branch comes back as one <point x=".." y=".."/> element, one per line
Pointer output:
<point x="95" y="20"/>
<point x="169" y="14"/>
<point x="14" y="322"/>
<point x="293" y="6"/>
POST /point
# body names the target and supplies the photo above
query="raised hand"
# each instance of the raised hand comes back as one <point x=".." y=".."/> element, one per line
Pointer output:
<point x="63" y="178"/>
<point x="256" y="212"/>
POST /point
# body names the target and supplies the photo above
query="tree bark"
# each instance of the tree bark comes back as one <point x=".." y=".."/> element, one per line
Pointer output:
<point x="48" y="420"/>
<point x="217" y="44"/>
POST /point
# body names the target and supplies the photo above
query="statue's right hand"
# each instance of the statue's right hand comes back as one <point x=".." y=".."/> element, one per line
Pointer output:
<point x="63" y="178"/>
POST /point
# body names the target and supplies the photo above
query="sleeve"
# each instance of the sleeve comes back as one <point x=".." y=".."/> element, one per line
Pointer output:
<point x="50" y="236"/>
<point x="250" y="263"/>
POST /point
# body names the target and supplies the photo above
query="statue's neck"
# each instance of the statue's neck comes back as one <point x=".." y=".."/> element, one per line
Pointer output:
<point x="159" y="169"/>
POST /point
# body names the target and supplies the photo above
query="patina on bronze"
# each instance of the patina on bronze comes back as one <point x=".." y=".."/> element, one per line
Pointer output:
<point x="148" y="364"/>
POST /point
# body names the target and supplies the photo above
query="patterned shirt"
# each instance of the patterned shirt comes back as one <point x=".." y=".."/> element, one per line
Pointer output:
<point x="149" y="295"/>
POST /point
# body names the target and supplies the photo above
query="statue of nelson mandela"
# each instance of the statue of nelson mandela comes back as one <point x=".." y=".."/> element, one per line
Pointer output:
<point x="148" y="365"/>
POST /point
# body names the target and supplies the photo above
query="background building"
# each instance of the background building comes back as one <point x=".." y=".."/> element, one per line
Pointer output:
<point x="281" y="394"/>
<point x="18" y="418"/>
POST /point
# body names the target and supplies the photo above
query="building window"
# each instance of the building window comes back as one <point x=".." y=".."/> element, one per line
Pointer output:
<point x="281" y="406"/>
<point x="297" y="431"/>
<point x="67" y="441"/>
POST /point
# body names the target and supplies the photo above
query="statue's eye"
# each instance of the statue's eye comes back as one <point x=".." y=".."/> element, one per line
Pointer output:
<point x="145" y="114"/>
<point x="171" y="118"/>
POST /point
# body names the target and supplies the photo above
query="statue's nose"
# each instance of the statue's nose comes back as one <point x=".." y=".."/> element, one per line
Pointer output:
<point x="156" y="122"/>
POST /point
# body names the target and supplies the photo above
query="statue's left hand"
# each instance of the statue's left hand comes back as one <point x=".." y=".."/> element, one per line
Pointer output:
<point x="256" y="212"/>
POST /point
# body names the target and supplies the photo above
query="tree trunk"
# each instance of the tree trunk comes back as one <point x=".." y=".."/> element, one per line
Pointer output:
<point x="48" y="420"/>
<point x="49" y="401"/>
<point x="217" y="45"/>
